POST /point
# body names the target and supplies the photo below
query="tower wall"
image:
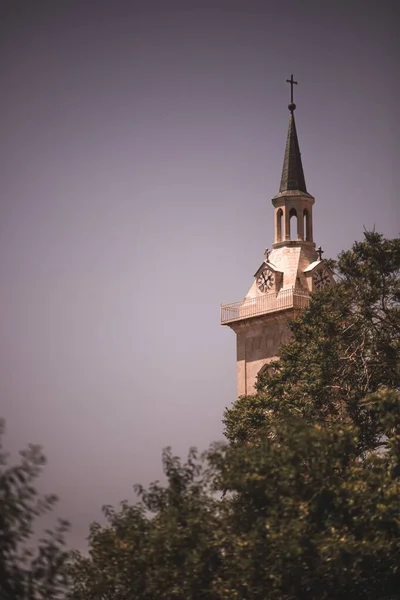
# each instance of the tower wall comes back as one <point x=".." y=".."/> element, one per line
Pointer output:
<point x="258" y="342"/>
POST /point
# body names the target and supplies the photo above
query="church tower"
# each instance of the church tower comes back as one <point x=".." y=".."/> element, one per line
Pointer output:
<point x="290" y="272"/>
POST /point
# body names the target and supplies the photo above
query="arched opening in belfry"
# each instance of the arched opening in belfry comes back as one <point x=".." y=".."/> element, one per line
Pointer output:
<point x="293" y="224"/>
<point x="306" y="225"/>
<point x="279" y="221"/>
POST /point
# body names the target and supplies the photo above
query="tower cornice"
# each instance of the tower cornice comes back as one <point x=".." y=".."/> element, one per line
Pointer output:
<point x="279" y="199"/>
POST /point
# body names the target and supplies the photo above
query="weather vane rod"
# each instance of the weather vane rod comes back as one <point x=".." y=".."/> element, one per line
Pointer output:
<point x="292" y="82"/>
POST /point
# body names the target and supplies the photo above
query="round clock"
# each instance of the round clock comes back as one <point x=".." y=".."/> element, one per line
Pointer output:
<point x="265" y="280"/>
<point x="321" y="278"/>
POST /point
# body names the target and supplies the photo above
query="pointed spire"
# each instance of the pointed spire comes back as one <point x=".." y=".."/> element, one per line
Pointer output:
<point x="292" y="172"/>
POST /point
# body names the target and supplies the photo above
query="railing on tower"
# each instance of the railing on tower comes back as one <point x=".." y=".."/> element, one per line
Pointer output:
<point x="252" y="307"/>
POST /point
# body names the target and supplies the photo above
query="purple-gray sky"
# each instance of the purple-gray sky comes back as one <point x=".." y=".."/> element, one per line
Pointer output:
<point x="141" y="145"/>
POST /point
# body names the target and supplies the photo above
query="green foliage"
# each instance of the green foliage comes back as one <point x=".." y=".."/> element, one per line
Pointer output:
<point x="344" y="348"/>
<point x="28" y="573"/>
<point x="303" y="504"/>
<point x="298" y="516"/>
<point x="164" y="547"/>
<point x="307" y="519"/>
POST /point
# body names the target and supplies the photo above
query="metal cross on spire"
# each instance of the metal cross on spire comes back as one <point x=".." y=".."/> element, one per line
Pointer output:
<point x="320" y="253"/>
<point x="292" y="82"/>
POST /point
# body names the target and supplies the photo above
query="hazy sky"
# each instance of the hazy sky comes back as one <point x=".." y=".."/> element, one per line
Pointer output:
<point x="141" y="144"/>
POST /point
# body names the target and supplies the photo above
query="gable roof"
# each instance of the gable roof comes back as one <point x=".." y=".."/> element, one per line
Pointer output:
<point x="313" y="265"/>
<point x="266" y="265"/>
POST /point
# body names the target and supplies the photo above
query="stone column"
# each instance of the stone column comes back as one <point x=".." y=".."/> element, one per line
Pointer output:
<point x="309" y="226"/>
<point x="300" y="226"/>
<point x="278" y="225"/>
<point x="287" y="223"/>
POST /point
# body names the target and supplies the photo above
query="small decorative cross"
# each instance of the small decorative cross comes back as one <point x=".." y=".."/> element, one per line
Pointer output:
<point x="292" y="82"/>
<point x="266" y="254"/>
<point x="320" y="252"/>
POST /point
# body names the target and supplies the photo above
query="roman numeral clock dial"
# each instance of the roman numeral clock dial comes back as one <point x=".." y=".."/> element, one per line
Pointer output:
<point x="265" y="280"/>
<point x="321" y="279"/>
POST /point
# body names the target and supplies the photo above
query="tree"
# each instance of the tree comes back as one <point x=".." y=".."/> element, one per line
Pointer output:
<point x="308" y="520"/>
<point x="298" y="516"/>
<point x="343" y="348"/>
<point x="303" y="501"/>
<point x="164" y="547"/>
<point x="27" y="573"/>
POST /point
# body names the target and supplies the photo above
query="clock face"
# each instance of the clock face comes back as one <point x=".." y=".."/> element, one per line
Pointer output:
<point x="265" y="280"/>
<point x="321" y="278"/>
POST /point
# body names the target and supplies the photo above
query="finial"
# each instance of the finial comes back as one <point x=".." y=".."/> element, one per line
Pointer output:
<point x="319" y="252"/>
<point x="266" y="254"/>
<point x="292" y="82"/>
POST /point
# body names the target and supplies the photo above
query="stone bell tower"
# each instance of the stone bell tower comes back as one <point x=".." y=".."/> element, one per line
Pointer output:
<point x="284" y="280"/>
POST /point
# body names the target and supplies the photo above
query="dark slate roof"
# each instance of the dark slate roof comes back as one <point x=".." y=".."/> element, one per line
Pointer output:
<point x="292" y="172"/>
